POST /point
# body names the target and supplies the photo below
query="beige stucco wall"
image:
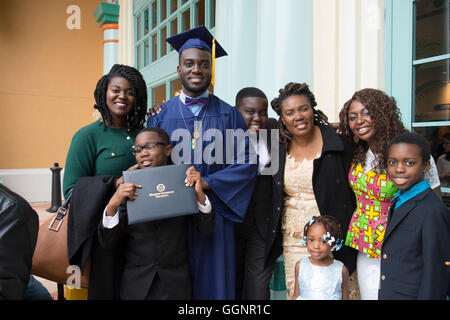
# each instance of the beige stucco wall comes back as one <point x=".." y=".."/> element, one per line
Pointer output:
<point x="49" y="73"/>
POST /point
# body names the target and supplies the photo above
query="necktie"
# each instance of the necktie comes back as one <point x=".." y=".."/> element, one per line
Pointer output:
<point x="201" y="102"/>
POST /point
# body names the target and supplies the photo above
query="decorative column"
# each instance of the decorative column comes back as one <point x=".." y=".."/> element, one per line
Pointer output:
<point x="349" y="50"/>
<point x="107" y="15"/>
<point x="268" y="44"/>
<point x="238" y="69"/>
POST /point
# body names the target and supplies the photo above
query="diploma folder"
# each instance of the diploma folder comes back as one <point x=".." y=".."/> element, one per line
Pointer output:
<point x="163" y="194"/>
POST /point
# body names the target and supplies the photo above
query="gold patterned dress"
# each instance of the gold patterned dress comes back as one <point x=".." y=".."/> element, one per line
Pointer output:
<point x="299" y="205"/>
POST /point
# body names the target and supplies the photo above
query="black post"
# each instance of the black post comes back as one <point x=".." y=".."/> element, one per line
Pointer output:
<point x="60" y="288"/>
<point x="56" y="188"/>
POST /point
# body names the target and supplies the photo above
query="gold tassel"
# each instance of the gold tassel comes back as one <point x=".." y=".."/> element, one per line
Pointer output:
<point x="213" y="60"/>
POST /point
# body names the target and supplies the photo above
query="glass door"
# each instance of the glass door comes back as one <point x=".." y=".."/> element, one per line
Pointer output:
<point x="431" y="78"/>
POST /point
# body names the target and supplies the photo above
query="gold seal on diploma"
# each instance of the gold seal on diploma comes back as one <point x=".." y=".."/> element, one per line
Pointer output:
<point x="161" y="192"/>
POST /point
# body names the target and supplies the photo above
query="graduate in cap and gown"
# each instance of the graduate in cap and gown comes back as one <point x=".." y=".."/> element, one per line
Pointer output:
<point x="228" y="179"/>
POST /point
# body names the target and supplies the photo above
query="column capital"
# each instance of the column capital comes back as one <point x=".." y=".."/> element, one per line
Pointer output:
<point x="107" y="13"/>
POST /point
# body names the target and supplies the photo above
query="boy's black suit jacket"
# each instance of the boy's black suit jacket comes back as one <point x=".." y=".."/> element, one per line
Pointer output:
<point x="155" y="248"/>
<point x="415" y="248"/>
<point x="260" y="208"/>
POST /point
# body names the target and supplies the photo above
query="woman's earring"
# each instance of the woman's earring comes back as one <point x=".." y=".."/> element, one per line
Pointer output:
<point x="356" y="139"/>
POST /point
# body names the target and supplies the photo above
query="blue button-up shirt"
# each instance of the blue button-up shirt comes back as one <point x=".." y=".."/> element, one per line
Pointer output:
<point x="402" y="197"/>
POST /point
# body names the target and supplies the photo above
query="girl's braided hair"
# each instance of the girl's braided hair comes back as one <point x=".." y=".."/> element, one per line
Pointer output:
<point x="295" y="89"/>
<point x="332" y="227"/>
<point x="136" y="117"/>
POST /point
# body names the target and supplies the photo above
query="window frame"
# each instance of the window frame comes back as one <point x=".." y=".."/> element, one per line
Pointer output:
<point x="400" y="61"/>
<point x="162" y="70"/>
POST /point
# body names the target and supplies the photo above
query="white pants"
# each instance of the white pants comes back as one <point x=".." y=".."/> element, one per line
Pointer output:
<point x="368" y="276"/>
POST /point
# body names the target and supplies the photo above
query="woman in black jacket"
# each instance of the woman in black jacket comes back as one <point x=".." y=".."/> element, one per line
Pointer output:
<point x="311" y="180"/>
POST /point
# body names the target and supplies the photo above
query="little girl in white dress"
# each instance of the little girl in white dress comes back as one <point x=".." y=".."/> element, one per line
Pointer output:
<point x="320" y="276"/>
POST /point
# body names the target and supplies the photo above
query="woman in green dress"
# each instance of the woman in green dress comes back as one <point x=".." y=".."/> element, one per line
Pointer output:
<point x="104" y="146"/>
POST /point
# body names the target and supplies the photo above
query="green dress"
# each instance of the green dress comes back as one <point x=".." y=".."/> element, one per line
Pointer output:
<point x="96" y="150"/>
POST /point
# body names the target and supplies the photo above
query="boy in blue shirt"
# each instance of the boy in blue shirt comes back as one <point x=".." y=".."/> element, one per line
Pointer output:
<point x="415" y="250"/>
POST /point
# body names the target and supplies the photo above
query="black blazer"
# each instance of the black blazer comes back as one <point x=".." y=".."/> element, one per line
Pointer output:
<point x="333" y="194"/>
<point x="415" y="248"/>
<point x="260" y="207"/>
<point x="89" y="198"/>
<point x="156" y="247"/>
<point x="19" y="225"/>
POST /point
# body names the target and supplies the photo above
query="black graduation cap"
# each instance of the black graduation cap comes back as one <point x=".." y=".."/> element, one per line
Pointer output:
<point x="200" y="38"/>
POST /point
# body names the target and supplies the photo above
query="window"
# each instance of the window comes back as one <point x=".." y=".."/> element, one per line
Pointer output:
<point x="159" y="94"/>
<point x="199" y="8"/>
<point x="186" y="18"/>
<point x="431" y="61"/>
<point x="431" y="72"/>
<point x="417" y="51"/>
<point x="176" y="87"/>
<point x="158" y="19"/>
<point x="155" y="20"/>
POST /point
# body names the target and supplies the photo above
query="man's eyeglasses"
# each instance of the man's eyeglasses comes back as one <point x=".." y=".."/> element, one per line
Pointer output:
<point x="149" y="146"/>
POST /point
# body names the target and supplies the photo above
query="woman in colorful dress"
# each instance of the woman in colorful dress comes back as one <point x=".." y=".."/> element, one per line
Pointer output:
<point x="371" y="119"/>
<point x="311" y="180"/>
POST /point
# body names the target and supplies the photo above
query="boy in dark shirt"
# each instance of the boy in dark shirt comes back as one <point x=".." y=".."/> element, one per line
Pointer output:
<point x="415" y="250"/>
<point x="156" y="262"/>
<point x="252" y="275"/>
